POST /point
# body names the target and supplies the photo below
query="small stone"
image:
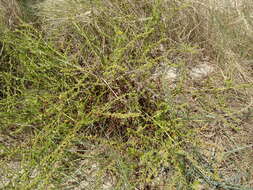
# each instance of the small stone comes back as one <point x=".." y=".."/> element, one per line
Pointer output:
<point x="171" y="74"/>
<point x="201" y="71"/>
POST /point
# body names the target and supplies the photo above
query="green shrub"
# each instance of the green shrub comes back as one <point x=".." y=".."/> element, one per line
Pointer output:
<point x="81" y="83"/>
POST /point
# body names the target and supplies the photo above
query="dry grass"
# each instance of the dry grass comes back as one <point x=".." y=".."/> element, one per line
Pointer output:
<point x="9" y="13"/>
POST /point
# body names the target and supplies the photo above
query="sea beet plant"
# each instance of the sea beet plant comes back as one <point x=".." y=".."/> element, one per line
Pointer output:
<point x="101" y="95"/>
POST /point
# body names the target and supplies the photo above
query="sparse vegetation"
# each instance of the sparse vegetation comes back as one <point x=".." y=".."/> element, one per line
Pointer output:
<point x="112" y="94"/>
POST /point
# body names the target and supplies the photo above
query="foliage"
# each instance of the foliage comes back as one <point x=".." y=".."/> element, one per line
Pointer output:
<point x="79" y="87"/>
